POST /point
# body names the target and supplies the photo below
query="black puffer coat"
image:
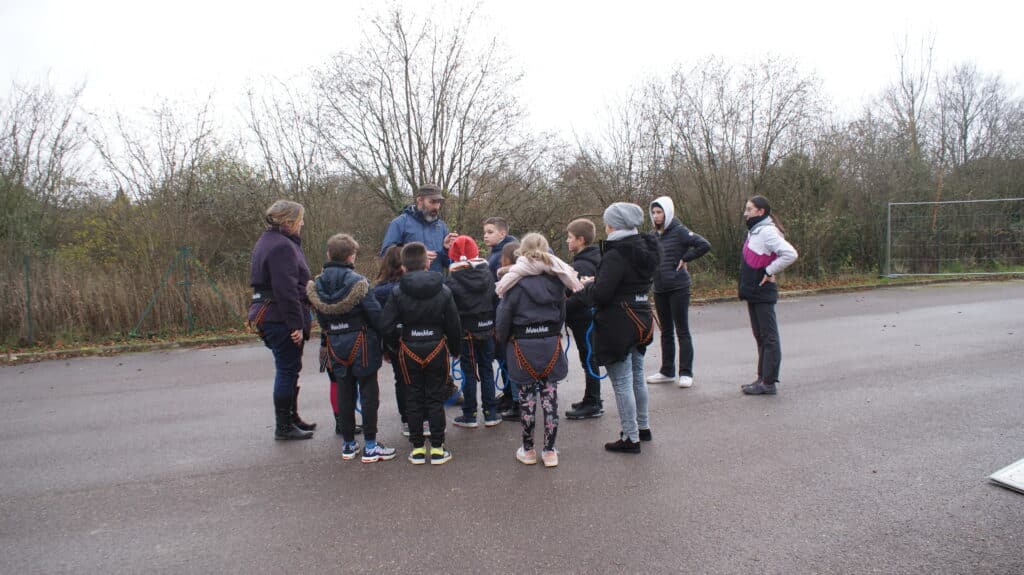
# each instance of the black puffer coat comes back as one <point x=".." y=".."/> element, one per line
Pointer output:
<point x="585" y="263"/>
<point x="623" y="280"/>
<point x="677" y="243"/>
<point x="473" y="289"/>
<point x="422" y="301"/>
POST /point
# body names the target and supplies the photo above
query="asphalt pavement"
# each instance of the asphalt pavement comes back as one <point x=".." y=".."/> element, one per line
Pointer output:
<point x="894" y="406"/>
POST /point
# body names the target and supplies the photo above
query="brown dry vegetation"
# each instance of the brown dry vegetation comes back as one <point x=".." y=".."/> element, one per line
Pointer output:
<point x="98" y="206"/>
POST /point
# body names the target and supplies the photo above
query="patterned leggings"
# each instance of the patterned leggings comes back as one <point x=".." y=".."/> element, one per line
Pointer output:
<point x="548" y="392"/>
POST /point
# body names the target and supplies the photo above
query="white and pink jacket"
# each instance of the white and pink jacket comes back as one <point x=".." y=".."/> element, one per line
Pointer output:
<point x="765" y="251"/>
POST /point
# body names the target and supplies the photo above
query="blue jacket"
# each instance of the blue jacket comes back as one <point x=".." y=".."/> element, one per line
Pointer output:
<point x="410" y="227"/>
<point x="494" y="259"/>
<point x="342" y="301"/>
<point x="677" y="243"/>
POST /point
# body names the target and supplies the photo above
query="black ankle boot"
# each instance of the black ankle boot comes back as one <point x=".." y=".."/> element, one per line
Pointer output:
<point x="285" y="428"/>
<point x="295" y="414"/>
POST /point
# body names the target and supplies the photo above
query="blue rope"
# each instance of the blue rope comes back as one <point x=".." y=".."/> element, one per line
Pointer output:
<point x="502" y="375"/>
<point x="459" y="376"/>
<point x="590" y="352"/>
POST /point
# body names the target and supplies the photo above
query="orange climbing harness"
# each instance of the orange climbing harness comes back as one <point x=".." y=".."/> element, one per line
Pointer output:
<point x="423" y="362"/>
<point x="645" y="334"/>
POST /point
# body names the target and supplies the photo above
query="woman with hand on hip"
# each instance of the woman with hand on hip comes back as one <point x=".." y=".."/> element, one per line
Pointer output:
<point x="679" y="246"/>
<point x="765" y="253"/>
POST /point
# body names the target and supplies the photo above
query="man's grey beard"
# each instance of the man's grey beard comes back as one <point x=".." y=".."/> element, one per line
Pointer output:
<point x="429" y="217"/>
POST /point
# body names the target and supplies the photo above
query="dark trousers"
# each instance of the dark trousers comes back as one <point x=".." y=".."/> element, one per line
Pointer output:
<point x="477" y="363"/>
<point x="592" y="393"/>
<point x="287" y="359"/>
<point x="674" y="316"/>
<point x="369" y="401"/>
<point x="400" y="387"/>
<point x="425" y="396"/>
<point x="766" y="333"/>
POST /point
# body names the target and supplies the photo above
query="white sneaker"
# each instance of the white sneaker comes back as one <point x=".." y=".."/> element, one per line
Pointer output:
<point x="685" y="381"/>
<point x="659" y="378"/>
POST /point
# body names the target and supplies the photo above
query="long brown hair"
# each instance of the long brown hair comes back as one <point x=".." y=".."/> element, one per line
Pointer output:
<point x="761" y="203"/>
<point x="390" y="265"/>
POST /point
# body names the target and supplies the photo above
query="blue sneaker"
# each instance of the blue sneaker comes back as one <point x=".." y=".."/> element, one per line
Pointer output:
<point x="467" y="421"/>
<point x="378" y="453"/>
<point x="491" y="419"/>
<point x="349" y="450"/>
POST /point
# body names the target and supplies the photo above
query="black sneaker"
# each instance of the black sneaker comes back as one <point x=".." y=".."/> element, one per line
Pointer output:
<point x="758" y="388"/>
<point x="585" y="411"/>
<point x="578" y="404"/>
<point x="645" y="435"/>
<point x="623" y="445"/>
<point x="505" y="403"/>
<point x="511" y="414"/>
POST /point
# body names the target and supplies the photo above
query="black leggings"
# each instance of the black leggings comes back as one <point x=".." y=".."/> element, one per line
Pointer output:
<point x="674" y="315"/>
<point x="766" y="334"/>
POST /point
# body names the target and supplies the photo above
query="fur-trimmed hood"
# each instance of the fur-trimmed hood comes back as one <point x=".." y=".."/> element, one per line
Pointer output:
<point x="337" y="289"/>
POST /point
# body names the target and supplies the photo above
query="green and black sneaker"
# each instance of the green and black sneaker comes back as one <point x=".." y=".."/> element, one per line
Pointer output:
<point x="439" y="455"/>
<point x="418" y="456"/>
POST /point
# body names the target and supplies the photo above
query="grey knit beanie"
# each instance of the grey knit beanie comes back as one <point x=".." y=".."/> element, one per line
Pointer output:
<point x="624" y="216"/>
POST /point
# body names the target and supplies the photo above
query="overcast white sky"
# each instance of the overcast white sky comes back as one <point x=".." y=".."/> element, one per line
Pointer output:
<point x="577" y="56"/>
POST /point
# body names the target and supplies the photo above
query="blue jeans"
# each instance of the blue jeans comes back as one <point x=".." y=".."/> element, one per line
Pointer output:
<point x="287" y="359"/>
<point x="478" y="359"/>
<point x="630" y="393"/>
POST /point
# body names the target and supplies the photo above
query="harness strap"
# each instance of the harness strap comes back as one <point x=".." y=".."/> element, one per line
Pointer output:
<point x="525" y="364"/>
<point x="360" y="344"/>
<point x="646" y="334"/>
<point x="405" y="351"/>
<point x="257" y="322"/>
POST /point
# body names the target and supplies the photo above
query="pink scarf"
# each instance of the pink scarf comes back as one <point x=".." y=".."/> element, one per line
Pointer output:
<point x="525" y="267"/>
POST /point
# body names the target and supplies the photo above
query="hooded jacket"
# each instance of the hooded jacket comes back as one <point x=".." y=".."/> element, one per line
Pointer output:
<point x="472" y="287"/>
<point x="494" y="259"/>
<point x="278" y="266"/>
<point x="585" y="263"/>
<point x="345" y="309"/>
<point x="677" y="243"/>
<point x="765" y="251"/>
<point x="533" y="300"/>
<point x="410" y="227"/>
<point x="421" y="301"/>
<point x="624" y="278"/>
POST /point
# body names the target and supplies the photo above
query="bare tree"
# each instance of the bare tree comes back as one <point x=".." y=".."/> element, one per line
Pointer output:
<point x="976" y="118"/>
<point x="420" y="102"/>
<point x="627" y="160"/>
<point x="730" y="125"/>
<point x="43" y="163"/>
<point x="906" y="99"/>
<point x="287" y="127"/>
<point x="162" y="163"/>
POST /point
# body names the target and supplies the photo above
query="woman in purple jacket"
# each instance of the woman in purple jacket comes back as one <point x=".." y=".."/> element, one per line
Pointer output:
<point x="280" y="309"/>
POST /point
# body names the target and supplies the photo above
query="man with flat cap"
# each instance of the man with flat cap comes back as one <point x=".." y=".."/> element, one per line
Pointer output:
<point x="421" y="222"/>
